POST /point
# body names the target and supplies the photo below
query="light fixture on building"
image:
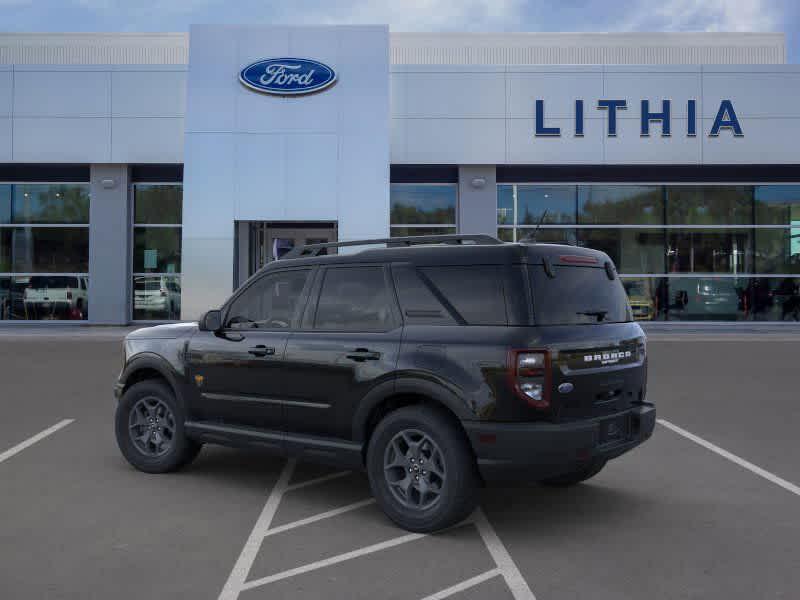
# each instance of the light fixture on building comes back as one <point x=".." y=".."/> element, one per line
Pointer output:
<point x="109" y="183"/>
<point x="478" y="182"/>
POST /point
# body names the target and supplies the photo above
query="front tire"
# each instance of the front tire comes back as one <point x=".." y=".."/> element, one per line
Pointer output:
<point x="575" y="477"/>
<point x="421" y="470"/>
<point x="149" y="428"/>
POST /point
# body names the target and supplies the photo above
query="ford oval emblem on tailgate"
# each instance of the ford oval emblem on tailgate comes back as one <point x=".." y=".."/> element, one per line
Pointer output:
<point x="565" y="388"/>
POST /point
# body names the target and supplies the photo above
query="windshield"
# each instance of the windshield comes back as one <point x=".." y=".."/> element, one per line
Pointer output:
<point x="578" y="296"/>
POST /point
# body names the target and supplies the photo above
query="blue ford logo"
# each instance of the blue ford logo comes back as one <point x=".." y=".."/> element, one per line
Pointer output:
<point x="287" y="76"/>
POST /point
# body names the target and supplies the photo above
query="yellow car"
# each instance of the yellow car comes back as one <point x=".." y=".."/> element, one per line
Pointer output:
<point x="640" y="295"/>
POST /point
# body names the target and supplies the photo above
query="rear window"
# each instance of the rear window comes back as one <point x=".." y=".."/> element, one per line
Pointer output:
<point x="578" y="296"/>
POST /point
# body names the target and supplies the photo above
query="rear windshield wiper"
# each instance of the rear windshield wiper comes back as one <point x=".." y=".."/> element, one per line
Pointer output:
<point x="600" y="314"/>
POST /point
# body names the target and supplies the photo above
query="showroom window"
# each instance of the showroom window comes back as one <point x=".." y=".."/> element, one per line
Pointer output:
<point x="423" y="208"/>
<point x="157" y="217"/>
<point x="684" y="252"/>
<point x="44" y="251"/>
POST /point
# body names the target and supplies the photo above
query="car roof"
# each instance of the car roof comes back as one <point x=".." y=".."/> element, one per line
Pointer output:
<point x="458" y="254"/>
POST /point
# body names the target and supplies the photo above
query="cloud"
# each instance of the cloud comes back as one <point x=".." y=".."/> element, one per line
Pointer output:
<point x="704" y="15"/>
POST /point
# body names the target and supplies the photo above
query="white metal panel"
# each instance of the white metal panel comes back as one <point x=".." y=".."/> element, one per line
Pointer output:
<point x="397" y="141"/>
<point x="452" y="95"/>
<point x="656" y="85"/>
<point x="629" y="148"/>
<point x="209" y="181"/>
<point x="455" y="141"/>
<point x="523" y="147"/>
<point x="78" y="140"/>
<point x="148" y="93"/>
<point x="211" y="88"/>
<point x="5" y="139"/>
<point x="559" y="90"/>
<point x="363" y="190"/>
<point x="311" y="177"/>
<point x="207" y="279"/>
<point x="765" y="141"/>
<point x="6" y="95"/>
<point x="147" y="140"/>
<point x="60" y="93"/>
<point x="753" y="94"/>
<point x="262" y="197"/>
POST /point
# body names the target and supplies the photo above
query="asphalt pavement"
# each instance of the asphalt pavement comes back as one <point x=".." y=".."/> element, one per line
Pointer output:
<point x="708" y="508"/>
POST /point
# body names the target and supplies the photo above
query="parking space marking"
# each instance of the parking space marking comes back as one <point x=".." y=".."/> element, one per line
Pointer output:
<point x="235" y="584"/>
<point x="323" y="479"/>
<point x="508" y="568"/>
<point x="33" y="439"/>
<point x="326" y="562"/>
<point x="320" y="517"/>
<point x="771" y="477"/>
<point x="464" y="585"/>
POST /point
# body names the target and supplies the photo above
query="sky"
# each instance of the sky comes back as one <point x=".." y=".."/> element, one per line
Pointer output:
<point x="413" y="15"/>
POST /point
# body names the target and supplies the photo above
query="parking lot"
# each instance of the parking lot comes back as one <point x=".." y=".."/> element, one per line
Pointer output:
<point x="708" y="508"/>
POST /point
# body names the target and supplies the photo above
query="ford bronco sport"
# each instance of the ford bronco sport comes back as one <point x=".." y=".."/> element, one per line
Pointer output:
<point x="437" y="364"/>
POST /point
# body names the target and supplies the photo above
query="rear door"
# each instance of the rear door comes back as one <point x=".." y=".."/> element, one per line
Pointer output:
<point x="349" y="343"/>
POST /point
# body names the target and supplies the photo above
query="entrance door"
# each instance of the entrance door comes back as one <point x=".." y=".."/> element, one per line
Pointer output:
<point x="272" y="241"/>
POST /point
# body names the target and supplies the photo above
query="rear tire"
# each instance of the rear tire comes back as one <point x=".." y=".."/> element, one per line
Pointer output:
<point x="421" y="469"/>
<point x="149" y="428"/>
<point x="575" y="477"/>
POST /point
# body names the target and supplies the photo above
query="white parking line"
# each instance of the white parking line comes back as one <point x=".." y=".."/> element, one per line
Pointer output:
<point x="464" y="585"/>
<point x="235" y="584"/>
<point x="403" y="539"/>
<point x="323" y="479"/>
<point x="320" y="517"/>
<point x="33" y="439"/>
<point x="771" y="477"/>
<point x="508" y="568"/>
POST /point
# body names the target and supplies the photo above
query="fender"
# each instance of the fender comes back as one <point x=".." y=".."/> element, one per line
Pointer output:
<point x="408" y="384"/>
<point x="149" y="360"/>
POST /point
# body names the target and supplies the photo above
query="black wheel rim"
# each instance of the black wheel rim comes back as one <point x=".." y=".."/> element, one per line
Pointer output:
<point x="151" y="426"/>
<point x="414" y="469"/>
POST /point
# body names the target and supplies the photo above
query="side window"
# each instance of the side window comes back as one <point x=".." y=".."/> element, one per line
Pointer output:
<point x="419" y="305"/>
<point x="354" y="299"/>
<point x="475" y="292"/>
<point x="272" y="302"/>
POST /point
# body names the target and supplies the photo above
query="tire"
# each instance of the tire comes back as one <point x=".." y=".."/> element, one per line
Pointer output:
<point x="166" y="448"/>
<point x="450" y="480"/>
<point x="575" y="477"/>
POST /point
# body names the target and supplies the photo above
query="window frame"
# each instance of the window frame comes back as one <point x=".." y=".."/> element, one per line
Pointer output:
<point x="83" y="276"/>
<point x="315" y="293"/>
<point x="132" y="226"/>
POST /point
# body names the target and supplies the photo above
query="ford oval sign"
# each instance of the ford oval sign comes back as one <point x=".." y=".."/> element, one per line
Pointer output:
<point x="287" y="76"/>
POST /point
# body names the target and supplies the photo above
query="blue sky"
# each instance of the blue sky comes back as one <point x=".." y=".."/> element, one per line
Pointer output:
<point x="413" y="15"/>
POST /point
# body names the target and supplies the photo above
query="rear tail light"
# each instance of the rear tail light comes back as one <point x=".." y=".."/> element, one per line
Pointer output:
<point x="529" y="376"/>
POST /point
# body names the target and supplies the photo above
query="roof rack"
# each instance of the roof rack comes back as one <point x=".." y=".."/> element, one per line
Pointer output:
<point x="474" y="239"/>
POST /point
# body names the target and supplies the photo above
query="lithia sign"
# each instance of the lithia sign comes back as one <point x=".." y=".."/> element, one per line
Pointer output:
<point x="726" y="119"/>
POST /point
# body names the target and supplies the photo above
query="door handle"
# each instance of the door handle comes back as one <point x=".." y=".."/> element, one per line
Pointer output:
<point x="261" y="350"/>
<point x="362" y="354"/>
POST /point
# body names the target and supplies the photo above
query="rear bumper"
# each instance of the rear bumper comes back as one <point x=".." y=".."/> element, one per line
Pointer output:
<point x="526" y="452"/>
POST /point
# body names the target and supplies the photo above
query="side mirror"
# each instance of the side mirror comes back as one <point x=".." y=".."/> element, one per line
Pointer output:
<point x="211" y="321"/>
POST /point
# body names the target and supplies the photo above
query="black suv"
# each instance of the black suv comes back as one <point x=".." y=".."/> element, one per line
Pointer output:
<point x="434" y="363"/>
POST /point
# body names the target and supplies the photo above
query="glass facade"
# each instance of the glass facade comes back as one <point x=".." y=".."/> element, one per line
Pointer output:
<point x="684" y="252"/>
<point x="44" y="251"/>
<point x="156" y="285"/>
<point x="423" y="208"/>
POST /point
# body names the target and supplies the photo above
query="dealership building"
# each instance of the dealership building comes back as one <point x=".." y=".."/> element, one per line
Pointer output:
<point x="143" y="177"/>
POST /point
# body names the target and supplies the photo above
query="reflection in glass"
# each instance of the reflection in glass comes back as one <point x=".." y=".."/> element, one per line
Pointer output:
<point x="709" y="251"/>
<point x="413" y="204"/>
<point x="156" y="297"/>
<point x="505" y="205"/>
<point x="534" y="200"/>
<point x="158" y="204"/>
<point x="708" y="299"/>
<point x="38" y="203"/>
<point x="157" y="249"/>
<point x="632" y="250"/>
<point x="44" y="297"/>
<point x="778" y="250"/>
<point x="409" y="231"/>
<point x="621" y="204"/>
<point x="709" y="205"/>
<point x="777" y="205"/>
<point x="776" y="299"/>
<point x="646" y="297"/>
<point x="44" y="249"/>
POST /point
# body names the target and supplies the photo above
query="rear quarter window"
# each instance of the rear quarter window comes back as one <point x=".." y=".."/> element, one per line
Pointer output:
<point x="475" y="292"/>
<point x="578" y="296"/>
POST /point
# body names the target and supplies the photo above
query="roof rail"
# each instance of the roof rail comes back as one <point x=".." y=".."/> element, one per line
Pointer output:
<point x="475" y="239"/>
